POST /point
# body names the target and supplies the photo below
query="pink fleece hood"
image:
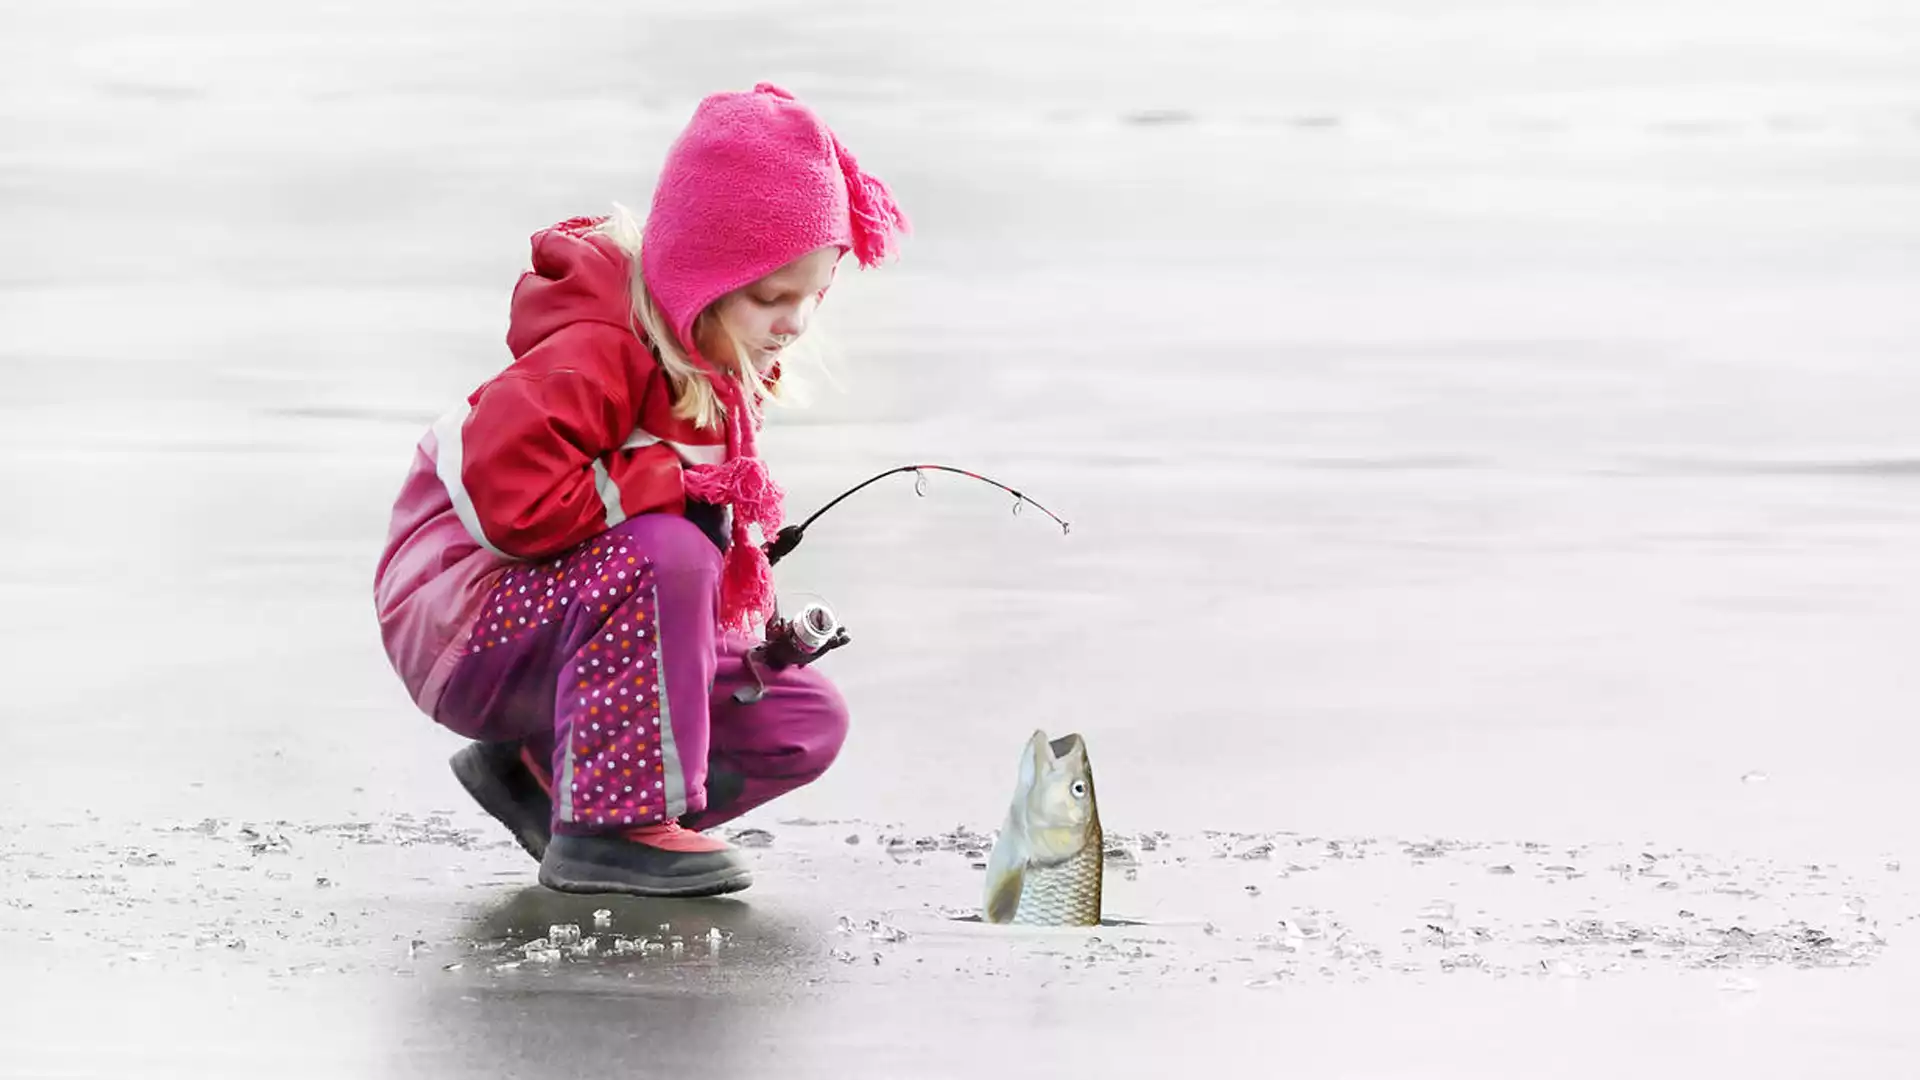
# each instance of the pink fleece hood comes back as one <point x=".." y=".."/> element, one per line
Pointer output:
<point x="755" y="181"/>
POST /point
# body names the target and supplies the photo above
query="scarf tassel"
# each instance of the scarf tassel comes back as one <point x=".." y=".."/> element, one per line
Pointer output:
<point x="746" y="577"/>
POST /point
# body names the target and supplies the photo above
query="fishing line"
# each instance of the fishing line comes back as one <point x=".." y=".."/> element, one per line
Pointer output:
<point x="790" y="537"/>
<point x="814" y="632"/>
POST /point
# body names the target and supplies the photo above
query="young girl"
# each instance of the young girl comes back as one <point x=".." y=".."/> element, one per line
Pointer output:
<point x="568" y="578"/>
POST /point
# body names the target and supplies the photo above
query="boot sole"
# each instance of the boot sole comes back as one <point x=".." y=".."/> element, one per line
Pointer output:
<point x="567" y="876"/>
<point x="470" y="768"/>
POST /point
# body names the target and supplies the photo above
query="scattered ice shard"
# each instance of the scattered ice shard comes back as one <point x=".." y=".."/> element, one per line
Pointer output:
<point x="1440" y="913"/>
<point x="564" y="933"/>
<point x="602" y="919"/>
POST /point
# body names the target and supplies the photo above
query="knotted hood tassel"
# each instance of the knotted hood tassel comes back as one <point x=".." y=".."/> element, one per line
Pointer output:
<point x="877" y="218"/>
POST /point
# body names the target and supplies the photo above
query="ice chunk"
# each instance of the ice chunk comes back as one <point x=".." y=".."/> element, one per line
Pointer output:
<point x="1440" y="914"/>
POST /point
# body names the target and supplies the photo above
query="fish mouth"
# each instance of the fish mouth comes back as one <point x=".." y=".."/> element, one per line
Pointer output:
<point x="1065" y="744"/>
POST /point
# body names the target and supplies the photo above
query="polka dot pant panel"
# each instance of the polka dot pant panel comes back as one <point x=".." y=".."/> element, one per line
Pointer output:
<point x="611" y="773"/>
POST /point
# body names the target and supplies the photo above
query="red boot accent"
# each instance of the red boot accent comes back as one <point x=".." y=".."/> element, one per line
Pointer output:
<point x="671" y="837"/>
<point x="539" y="771"/>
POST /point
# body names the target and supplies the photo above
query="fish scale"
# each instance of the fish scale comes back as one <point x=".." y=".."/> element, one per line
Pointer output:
<point x="1067" y="894"/>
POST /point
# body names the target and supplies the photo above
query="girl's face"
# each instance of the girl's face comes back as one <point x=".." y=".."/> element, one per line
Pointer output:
<point x="769" y="313"/>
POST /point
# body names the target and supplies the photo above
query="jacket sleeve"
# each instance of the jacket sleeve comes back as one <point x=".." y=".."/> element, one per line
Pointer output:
<point x="537" y="440"/>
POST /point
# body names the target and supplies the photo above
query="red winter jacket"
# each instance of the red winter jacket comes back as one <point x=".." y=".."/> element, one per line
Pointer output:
<point x="576" y="435"/>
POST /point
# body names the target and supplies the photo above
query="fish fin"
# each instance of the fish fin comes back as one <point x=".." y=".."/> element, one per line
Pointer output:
<point x="1007" y="865"/>
<point x="1003" y="893"/>
<point x="1006" y="873"/>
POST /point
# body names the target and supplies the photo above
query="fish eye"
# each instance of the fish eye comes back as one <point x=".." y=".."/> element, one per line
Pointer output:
<point x="1079" y="789"/>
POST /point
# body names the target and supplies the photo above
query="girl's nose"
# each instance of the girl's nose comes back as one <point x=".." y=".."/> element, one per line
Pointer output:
<point x="793" y="322"/>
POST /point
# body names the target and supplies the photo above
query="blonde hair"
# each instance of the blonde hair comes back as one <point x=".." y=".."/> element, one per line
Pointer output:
<point x="694" y="395"/>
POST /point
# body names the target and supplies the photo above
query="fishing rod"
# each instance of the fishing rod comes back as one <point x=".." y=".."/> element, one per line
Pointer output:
<point x="789" y="538"/>
<point x="814" y="631"/>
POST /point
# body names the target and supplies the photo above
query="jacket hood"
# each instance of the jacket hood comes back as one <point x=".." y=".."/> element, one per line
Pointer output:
<point x="576" y="276"/>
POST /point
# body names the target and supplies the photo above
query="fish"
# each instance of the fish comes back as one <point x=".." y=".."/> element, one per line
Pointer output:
<point x="1046" y="865"/>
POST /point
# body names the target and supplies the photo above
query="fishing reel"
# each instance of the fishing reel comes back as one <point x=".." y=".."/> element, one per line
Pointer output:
<point x="792" y="642"/>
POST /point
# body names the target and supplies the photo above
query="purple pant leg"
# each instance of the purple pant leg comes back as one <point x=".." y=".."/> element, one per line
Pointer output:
<point x="764" y="750"/>
<point x="609" y="652"/>
<point x="630" y="721"/>
<point x="502" y="690"/>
